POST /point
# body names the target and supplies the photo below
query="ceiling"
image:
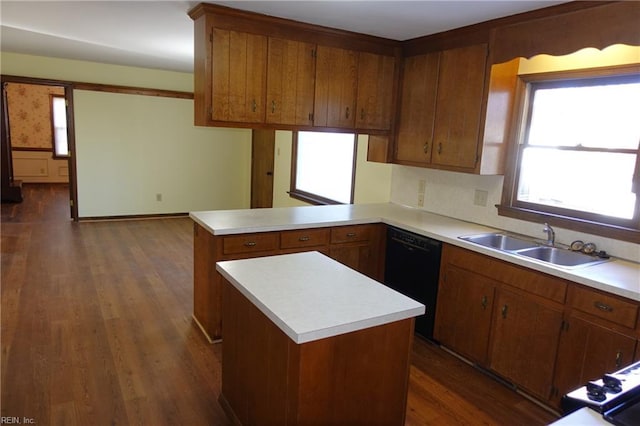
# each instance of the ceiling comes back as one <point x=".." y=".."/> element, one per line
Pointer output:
<point x="159" y="34"/>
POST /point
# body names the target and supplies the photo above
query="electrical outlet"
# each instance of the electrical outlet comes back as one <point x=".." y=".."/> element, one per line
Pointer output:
<point x="158" y="197"/>
<point x="480" y="197"/>
<point x="422" y="184"/>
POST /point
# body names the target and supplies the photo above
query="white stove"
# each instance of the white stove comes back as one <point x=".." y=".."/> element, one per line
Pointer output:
<point x="616" y="396"/>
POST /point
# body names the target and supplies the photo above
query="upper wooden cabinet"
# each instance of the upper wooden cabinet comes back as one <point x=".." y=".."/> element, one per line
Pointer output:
<point x="375" y="91"/>
<point x="417" y="109"/>
<point x="257" y="71"/>
<point x="455" y="110"/>
<point x="291" y="69"/>
<point x="459" y="106"/>
<point x="336" y="87"/>
<point x="238" y="63"/>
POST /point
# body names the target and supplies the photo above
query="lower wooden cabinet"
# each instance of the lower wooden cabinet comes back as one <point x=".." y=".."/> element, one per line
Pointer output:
<point x="588" y="350"/>
<point x="525" y="338"/>
<point x="545" y="335"/>
<point x="464" y="298"/>
<point x="361" y="247"/>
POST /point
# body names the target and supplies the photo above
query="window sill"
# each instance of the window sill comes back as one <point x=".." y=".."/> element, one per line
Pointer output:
<point x="310" y="198"/>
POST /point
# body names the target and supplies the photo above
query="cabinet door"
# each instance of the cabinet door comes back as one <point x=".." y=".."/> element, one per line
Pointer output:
<point x="464" y="312"/>
<point x="587" y="351"/>
<point x="417" y="109"/>
<point x="375" y="91"/>
<point x="459" y="106"/>
<point x="336" y="87"/>
<point x="525" y="342"/>
<point x="290" y="82"/>
<point x="239" y="62"/>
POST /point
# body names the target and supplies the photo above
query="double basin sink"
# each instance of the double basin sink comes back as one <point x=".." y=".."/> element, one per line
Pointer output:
<point x="521" y="246"/>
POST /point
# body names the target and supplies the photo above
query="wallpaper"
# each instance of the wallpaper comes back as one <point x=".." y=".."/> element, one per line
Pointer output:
<point x="30" y="114"/>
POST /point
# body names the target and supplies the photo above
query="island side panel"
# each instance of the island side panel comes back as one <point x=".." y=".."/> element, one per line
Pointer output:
<point x="255" y="363"/>
<point x="356" y="378"/>
<point x="206" y="284"/>
<point x="359" y="377"/>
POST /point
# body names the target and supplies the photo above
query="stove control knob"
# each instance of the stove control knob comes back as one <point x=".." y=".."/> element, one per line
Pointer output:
<point x="595" y="392"/>
<point x="611" y="384"/>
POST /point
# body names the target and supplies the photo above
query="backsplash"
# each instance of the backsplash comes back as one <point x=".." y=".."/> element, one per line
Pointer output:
<point x="453" y="194"/>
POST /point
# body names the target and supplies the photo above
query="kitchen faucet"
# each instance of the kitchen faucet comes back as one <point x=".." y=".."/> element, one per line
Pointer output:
<point x="551" y="235"/>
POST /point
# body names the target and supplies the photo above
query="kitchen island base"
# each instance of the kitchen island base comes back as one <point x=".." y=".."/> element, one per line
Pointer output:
<point x="354" y="378"/>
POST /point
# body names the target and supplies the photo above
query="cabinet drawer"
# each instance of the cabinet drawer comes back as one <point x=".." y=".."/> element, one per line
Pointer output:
<point x="348" y="234"/>
<point x="304" y="238"/>
<point x="604" y="306"/>
<point x="250" y="243"/>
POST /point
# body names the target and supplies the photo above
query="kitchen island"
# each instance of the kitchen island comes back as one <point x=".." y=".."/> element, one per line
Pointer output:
<point x="308" y="340"/>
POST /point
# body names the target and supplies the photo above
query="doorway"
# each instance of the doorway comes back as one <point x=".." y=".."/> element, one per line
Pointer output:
<point x="262" y="157"/>
<point x="37" y="147"/>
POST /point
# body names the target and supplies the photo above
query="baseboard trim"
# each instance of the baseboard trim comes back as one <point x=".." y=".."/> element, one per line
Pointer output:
<point x="132" y="217"/>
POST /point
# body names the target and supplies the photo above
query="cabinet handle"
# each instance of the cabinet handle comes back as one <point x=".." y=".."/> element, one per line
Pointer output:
<point x="305" y="238"/>
<point x="273" y="107"/>
<point x="250" y="244"/>
<point x="505" y="308"/>
<point x="439" y="148"/>
<point x="619" y="359"/>
<point x="425" y="148"/>
<point x="602" y="306"/>
<point x="254" y="106"/>
<point x="347" y="113"/>
<point x="483" y="303"/>
<point x="351" y="234"/>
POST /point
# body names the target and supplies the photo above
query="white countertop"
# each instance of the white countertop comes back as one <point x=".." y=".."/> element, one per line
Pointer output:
<point x="310" y="296"/>
<point x="617" y="277"/>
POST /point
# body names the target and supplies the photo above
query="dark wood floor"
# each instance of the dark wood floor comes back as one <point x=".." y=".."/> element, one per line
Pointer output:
<point x="97" y="330"/>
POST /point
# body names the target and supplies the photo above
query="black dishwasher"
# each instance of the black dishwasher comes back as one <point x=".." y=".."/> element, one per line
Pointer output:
<point x="412" y="267"/>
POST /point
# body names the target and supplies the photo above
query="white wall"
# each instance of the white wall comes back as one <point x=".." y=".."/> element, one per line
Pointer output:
<point x="132" y="147"/>
<point x="452" y="194"/>
<point x="372" y="185"/>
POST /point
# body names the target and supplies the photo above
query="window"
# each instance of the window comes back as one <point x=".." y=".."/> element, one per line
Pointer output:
<point x="323" y="167"/>
<point x="59" y="126"/>
<point x="577" y="159"/>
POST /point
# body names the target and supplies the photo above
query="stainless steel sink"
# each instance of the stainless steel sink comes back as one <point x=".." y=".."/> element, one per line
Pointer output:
<point x="533" y="250"/>
<point x="560" y="256"/>
<point x="500" y="241"/>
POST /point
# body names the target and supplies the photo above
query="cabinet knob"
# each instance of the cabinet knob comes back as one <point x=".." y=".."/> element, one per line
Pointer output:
<point x="440" y="148"/>
<point x="351" y="234"/>
<point x="504" y="310"/>
<point x="425" y="148"/>
<point x="273" y="107"/>
<point x="483" y="303"/>
<point x="362" y="114"/>
<point x="347" y="113"/>
<point x="254" y="106"/>
<point x="304" y="238"/>
<point x="250" y="244"/>
<point x="619" y="359"/>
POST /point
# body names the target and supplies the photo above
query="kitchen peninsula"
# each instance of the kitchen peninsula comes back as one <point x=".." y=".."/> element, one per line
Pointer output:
<point x="308" y="339"/>
<point x="602" y="301"/>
